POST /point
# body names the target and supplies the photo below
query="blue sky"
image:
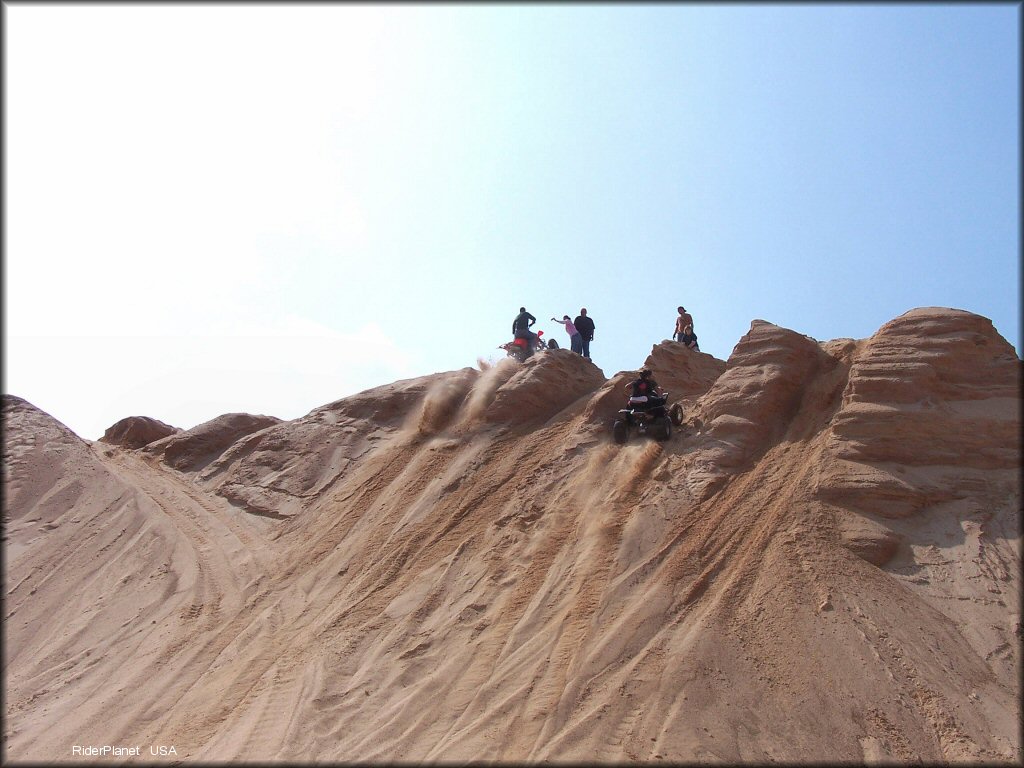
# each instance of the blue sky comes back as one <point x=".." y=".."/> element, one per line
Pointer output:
<point x="266" y="208"/>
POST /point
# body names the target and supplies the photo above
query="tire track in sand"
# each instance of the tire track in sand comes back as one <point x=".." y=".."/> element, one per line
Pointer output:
<point x="227" y="563"/>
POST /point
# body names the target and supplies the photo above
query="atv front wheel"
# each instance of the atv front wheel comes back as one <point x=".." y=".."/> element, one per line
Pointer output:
<point x="664" y="428"/>
<point x="676" y="414"/>
<point x="620" y="432"/>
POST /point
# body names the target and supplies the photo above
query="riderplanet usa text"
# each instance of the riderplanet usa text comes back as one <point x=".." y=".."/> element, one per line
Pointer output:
<point x="120" y="751"/>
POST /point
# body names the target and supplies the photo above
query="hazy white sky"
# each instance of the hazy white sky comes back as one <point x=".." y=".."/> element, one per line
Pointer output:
<point x="265" y="208"/>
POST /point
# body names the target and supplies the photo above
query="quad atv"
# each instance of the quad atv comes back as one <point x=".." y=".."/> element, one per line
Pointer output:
<point x="647" y="414"/>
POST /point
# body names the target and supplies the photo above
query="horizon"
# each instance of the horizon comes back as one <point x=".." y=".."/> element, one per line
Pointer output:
<point x="479" y="366"/>
<point x="264" y="209"/>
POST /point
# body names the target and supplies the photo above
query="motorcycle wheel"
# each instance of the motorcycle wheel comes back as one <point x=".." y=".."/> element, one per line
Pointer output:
<point x="620" y="432"/>
<point x="676" y="414"/>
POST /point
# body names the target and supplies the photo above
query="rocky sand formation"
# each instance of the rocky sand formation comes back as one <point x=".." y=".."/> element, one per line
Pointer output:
<point x="822" y="565"/>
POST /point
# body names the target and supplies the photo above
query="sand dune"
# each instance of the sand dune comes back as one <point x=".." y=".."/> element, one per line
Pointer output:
<point x="823" y="564"/>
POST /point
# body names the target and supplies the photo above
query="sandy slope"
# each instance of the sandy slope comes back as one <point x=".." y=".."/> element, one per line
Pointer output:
<point x="823" y="565"/>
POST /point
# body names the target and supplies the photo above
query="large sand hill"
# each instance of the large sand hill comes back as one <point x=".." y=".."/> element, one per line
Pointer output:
<point x="823" y="564"/>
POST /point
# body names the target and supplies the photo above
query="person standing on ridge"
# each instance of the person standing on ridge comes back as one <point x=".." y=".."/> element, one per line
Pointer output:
<point x="585" y="326"/>
<point x="575" y="339"/>
<point x="682" y="321"/>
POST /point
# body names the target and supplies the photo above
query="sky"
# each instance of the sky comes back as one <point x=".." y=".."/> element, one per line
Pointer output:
<point x="265" y="208"/>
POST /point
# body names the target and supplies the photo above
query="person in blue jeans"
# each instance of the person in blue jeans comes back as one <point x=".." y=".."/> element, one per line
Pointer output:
<point x="575" y="340"/>
<point x="684" y="320"/>
<point x="585" y="326"/>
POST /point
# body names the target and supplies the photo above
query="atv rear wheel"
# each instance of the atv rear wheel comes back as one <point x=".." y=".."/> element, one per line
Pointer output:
<point x="620" y="432"/>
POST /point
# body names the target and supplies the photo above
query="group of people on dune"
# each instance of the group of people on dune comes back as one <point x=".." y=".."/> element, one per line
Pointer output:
<point x="581" y="330"/>
<point x="581" y="333"/>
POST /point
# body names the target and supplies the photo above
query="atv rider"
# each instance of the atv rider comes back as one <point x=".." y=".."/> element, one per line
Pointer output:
<point x="521" y="327"/>
<point x="646" y="387"/>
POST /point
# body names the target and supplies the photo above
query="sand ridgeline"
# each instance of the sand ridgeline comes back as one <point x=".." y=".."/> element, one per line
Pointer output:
<point x="823" y="564"/>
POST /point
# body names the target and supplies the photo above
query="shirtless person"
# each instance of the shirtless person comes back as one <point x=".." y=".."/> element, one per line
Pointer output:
<point x="682" y="321"/>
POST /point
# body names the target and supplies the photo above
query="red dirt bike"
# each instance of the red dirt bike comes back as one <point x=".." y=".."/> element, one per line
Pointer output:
<point x="522" y="349"/>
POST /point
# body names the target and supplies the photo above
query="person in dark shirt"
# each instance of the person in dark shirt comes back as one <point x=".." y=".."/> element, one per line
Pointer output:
<point x="645" y="386"/>
<point x="585" y="326"/>
<point x="521" y="326"/>
<point x="689" y="338"/>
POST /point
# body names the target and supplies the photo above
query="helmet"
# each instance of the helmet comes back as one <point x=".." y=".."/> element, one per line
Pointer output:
<point x="645" y="373"/>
